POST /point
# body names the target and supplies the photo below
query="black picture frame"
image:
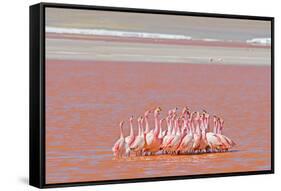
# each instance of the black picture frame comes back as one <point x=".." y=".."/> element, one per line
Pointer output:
<point x="37" y="94"/>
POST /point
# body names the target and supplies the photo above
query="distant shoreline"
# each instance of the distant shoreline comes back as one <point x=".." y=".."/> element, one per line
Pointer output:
<point x="168" y="41"/>
<point x="73" y="47"/>
<point x="108" y="63"/>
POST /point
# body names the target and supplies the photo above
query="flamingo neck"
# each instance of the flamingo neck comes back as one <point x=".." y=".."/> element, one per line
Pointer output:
<point x="215" y="127"/>
<point x="182" y="130"/>
<point x="139" y="128"/>
<point x="178" y="131"/>
<point x="175" y="127"/>
<point x="219" y="128"/>
<point x="192" y="126"/>
<point x="201" y="124"/>
<point x="187" y="126"/>
<point x="146" y="125"/>
<point x="121" y="131"/>
<point x="131" y="129"/>
<point x="169" y="127"/>
<point x="198" y="131"/>
<point x="156" y="130"/>
<point x="160" y="128"/>
<point x="203" y="133"/>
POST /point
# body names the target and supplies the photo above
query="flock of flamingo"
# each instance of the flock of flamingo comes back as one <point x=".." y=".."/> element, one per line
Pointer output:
<point x="186" y="133"/>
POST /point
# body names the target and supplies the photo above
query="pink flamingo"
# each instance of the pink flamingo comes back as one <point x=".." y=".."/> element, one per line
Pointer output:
<point x="185" y="113"/>
<point x="119" y="147"/>
<point x="139" y="142"/>
<point x="227" y="142"/>
<point x="214" y="141"/>
<point x="206" y="119"/>
<point x="152" y="139"/>
<point x="203" y="128"/>
<point x="220" y="125"/>
<point x="215" y="128"/>
<point x="197" y="134"/>
<point x="146" y="114"/>
<point x="223" y="144"/>
<point x="187" y="141"/>
<point x="170" y="134"/>
<point x="162" y="133"/>
<point x="168" y="146"/>
<point x="130" y="139"/>
<point x="179" y="134"/>
<point x="172" y="119"/>
<point x="230" y="141"/>
<point x="187" y="133"/>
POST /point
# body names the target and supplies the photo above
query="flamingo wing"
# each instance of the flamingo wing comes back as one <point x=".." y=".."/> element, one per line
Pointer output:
<point x="116" y="146"/>
<point x="130" y="139"/>
<point x="185" y="142"/>
<point x="230" y="142"/>
<point x="137" y="144"/>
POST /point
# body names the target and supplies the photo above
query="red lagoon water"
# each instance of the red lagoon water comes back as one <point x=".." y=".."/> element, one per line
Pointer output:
<point x="85" y="101"/>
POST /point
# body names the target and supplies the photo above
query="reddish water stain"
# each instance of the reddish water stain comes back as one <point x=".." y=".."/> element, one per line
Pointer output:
<point x="85" y="100"/>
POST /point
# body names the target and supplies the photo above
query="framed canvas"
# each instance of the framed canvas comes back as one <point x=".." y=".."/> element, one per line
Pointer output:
<point x="122" y="95"/>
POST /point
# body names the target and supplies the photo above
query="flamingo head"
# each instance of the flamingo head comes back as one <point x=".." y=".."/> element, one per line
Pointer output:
<point x="206" y="114"/>
<point x="121" y="123"/>
<point x="191" y="116"/>
<point x="147" y="113"/>
<point x="170" y="112"/>
<point x="221" y="120"/>
<point x="185" y="110"/>
<point x="196" y="115"/>
<point x="175" y="110"/>
<point x="131" y="118"/>
<point x="174" y="116"/>
<point x="215" y="118"/>
<point x="157" y="111"/>
<point x="139" y="118"/>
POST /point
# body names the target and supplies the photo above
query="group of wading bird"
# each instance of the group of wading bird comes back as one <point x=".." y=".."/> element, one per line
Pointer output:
<point x="186" y="133"/>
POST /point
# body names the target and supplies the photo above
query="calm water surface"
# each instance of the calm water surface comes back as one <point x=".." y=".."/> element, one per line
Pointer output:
<point x="86" y="100"/>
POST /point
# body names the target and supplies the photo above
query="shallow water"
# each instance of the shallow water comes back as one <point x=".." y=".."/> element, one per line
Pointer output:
<point x="86" y="100"/>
